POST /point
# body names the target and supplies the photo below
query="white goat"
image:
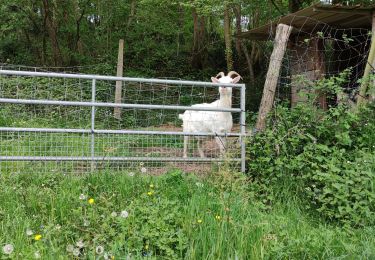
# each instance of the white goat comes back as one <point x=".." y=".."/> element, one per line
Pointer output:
<point x="211" y="121"/>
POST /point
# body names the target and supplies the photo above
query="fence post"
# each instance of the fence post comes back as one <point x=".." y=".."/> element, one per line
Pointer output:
<point x="243" y="128"/>
<point x="365" y="84"/>
<point x="280" y="43"/>
<point x="93" y="94"/>
<point x="120" y="67"/>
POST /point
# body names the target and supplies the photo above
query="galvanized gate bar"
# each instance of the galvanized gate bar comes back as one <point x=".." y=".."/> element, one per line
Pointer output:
<point x="100" y="104"/>
<point x="93" y="94"/>
<point x="100" y="131"/>
<point x="97" y="77"/>
<point x="243" y="129"/>
<point x="103" y="158"/>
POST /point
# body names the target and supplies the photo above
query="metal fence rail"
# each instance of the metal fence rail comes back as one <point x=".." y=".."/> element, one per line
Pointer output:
<point x="93" y="147"/>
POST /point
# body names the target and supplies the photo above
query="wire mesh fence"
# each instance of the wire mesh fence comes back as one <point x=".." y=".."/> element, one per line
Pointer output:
<point x="319" y="50"/>
<point x="52" y="122"/>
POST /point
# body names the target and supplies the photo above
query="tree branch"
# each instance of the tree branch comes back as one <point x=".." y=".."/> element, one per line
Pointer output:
<point x="277" y="8"/>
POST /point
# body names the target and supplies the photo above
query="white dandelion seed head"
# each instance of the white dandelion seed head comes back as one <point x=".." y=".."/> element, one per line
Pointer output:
<point x="99" y="250"/>
<point x="37" y="255"/>
<point x="57" y="227"/>
<point x="76" y="252"/>
<point x="143" y="170"/>
<point x="80" y="244"/>
<point x="107" y="256"/>
<point x="82" y="197"/>
<point x="86" y="223"/>
<point x="8" y="249"/>
<point x="114" y="214"/>
<point x="29" y="232"/>
<point x="124" y="214"/>
<point x="131" y="174"/>
<point x="70" y="248"/>
<point x="199" y="184"/>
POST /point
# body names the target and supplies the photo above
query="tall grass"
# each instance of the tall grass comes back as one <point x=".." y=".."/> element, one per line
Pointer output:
<point x="174" y="216"/>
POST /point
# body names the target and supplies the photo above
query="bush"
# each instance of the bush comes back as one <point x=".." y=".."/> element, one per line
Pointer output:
<point x="325" y="157"/>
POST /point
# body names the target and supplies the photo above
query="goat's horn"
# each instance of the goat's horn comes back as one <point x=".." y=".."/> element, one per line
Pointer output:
<point x="220" y="74"/>
<point x="230" y="73"/>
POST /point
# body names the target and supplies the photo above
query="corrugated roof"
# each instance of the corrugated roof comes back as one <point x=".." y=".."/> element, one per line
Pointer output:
<point x="315" y="18"/>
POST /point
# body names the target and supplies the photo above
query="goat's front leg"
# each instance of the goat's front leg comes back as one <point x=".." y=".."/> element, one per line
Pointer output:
<point x="186" y="140"/>
<point x="221" y="142"/>
<point x="200" y="149"/>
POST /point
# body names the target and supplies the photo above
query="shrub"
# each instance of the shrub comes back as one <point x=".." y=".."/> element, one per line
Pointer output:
<point x="325" y="157"/>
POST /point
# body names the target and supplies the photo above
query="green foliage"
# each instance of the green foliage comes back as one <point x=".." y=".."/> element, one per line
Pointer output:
<point x="161" y="37"/>
<point x="326" y="157"/>
<point x="340" y="188"/>
<point x="173" y="216"/>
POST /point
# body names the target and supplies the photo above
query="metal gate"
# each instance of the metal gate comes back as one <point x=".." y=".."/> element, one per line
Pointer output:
<point x="56" y="122"/>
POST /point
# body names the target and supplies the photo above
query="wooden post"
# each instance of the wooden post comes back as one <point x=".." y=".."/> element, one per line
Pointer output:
<point x="120" y="67"/>
<point x="370" y="62"/>
<point x="282" y="35"/>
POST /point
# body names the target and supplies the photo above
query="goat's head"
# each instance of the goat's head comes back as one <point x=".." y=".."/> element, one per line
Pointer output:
<point x="232" y="77"/>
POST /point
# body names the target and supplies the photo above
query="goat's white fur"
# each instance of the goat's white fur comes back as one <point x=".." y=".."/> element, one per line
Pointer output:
<point x="211" y="121"/>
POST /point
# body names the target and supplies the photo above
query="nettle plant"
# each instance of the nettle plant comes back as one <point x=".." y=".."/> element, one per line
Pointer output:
<point x="325" y="157"/>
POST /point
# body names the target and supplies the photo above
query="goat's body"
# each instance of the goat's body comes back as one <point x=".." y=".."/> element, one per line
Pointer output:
<point x="207" y="122"/>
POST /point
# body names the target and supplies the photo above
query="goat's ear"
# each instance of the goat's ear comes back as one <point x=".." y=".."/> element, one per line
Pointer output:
<point x="214" y="80"/>
<point x="236" y="79"/>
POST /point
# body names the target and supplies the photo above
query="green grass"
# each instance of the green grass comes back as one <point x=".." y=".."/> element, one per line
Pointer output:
<point x="174" y="216"/>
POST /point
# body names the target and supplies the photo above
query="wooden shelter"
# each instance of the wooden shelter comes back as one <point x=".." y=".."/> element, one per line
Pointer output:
<point x="302" y="34"/>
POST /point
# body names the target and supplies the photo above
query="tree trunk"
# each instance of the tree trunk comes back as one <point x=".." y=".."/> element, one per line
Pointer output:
<point x="131" y="14"/>
<point x="305" y="73"/>
<point x="79" y="17"/>
<point x="228" y="38"/>
<point x="237" y="12"/>
<point x="180" y="30"/>
<point x="52" y="32"/>
<point x="198" y="41"/>
<point x="249" y="64"/>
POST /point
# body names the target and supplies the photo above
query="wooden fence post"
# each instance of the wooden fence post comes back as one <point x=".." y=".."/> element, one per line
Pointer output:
<point x="370" y="62"/>
<point x="120" y="67"/>
<point x="282" y="36"/>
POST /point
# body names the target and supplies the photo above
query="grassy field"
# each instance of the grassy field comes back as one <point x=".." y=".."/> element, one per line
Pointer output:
<point x="174" y="216"/>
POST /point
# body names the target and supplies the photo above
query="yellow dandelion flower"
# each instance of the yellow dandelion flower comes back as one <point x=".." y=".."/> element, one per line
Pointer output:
<point x="112" y="257"/>
<point x="37" y="237"/>
<point x="150" y="193"/>
<point x="91" y="201"/>
<point x="199" y="221"/>
<point x="217" y="217"/>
